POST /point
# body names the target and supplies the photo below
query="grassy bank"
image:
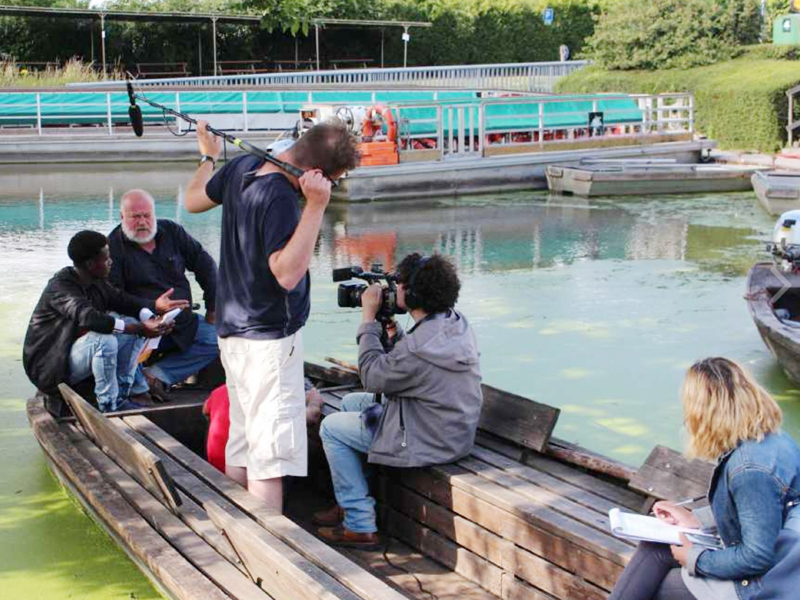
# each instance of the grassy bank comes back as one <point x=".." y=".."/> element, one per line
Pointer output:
<point x="741" y="103"/>
<point x="12" y="76"/>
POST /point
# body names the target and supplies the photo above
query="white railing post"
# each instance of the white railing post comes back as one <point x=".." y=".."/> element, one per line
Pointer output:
<point x="178" y="109"/>
<point x="108" y="113"/>
<point x="244" y="110"/>
<point x="39" y="112"/>
<point x="541" y="124"/>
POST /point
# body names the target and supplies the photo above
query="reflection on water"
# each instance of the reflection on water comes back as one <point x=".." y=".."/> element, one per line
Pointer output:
<point x="597" y="308"/>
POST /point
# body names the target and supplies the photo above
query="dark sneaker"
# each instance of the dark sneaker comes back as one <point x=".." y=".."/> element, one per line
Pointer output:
<point x="341" y="536"/>
<point x="126" y="405"/>
<point x="328" y="518"/>
<point x="158" y="389"/>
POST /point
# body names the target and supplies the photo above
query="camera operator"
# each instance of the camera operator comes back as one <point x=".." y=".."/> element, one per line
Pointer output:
<point x="432" y="396"/>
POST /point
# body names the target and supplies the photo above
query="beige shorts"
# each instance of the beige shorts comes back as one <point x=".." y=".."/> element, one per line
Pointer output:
<point x="267" y="406"/>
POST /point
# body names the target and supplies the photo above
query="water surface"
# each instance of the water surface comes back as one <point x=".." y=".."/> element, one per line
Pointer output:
<point x="596" y="308"/>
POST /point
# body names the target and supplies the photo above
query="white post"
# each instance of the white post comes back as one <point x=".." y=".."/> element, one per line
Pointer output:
<point x="39" y="112"/>
<point x="178" y="109"/>
<point x="103" y="40"/>
<point x="383" y="31"/>
<point x="244" y="109"/>
<point x="316" y="36"/>
<point x="406" y="37"/>
<point x="108" y="113"/>
<point x="214" y="33"/>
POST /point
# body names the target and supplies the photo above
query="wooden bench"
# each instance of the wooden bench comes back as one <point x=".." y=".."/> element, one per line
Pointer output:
<point x="350" y="63"/>
<point x="525" y="530"/>
<point x="240" y="67"/>
<point x="295" y="65"/>
<point x="156" y="70"/>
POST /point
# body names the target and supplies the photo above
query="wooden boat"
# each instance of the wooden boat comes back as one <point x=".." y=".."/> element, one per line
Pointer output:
<point x="641" y="179"/>
<point x="769" y="289"/>
<point x="777" y="191"/>
<point x="523" y="517"/>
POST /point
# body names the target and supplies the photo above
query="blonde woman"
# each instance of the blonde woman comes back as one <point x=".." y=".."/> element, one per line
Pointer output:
<point x="732" y="420"/>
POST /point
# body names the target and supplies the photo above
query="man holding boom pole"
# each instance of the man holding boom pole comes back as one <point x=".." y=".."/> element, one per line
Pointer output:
<point x="263" y="296"/>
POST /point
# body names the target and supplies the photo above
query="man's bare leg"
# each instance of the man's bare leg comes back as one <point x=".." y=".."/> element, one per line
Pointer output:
<point x="238" y="474"/>
<point x="269" y="490"/>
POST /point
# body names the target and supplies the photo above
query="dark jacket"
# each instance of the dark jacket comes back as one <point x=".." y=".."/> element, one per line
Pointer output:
<point x="147" y="275"/>
<point x="433" y="393"/>
<point x="751" y="491"/>
<point x="67" y="308"/>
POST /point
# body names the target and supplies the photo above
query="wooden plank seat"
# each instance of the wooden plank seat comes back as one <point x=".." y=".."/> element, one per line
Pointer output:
<point x="535" y="529"/>
<point x="171" y="69"/>
<point x="240" y="67"/>
<point x="668" y="475"/>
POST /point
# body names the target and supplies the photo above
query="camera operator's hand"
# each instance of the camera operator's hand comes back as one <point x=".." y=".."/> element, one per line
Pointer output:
<point x="207" y="142"/>
<point x="371" y="302"/>
<point x="316" y="189"/>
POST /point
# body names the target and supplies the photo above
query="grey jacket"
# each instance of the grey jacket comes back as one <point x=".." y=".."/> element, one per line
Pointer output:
<point x="432" y="387"/>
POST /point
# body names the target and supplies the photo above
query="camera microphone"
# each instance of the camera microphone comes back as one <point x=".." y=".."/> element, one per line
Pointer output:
<point x="134" y="112"/>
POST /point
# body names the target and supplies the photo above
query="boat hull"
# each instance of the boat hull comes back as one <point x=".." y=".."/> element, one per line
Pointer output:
<point x="640" y="180"/>
<point x="766" y="289"/>
<point x="777" y="193"/>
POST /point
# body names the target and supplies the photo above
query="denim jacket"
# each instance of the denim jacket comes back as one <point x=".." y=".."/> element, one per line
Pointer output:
<point x="751" y="491"/>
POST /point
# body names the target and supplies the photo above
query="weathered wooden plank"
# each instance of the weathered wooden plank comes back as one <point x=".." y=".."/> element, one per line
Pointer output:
<point x="188" y="543"/>
<point x="464" y="532"/>
<point x="516" y="589"/>
<point x="518" y="419"/>
<point x="545" y="480"/>
<point x="540" y="495"/>
<point x="196" y="490"/>
<point x="568" y="473"/>
<point x="340" y="568"/>
<point x="560" y="551"/>
<point x="461" y="560"/>
<point x="667" y="474"/>
<point x="137" y="460"/>
<point x="503" y="553"/>
<point x="283" y="575"/>
<point x="578" y="456"/>
<point x="182" y="579"/>
<point x="330" y="374"/>
<point x="542" y="516"/>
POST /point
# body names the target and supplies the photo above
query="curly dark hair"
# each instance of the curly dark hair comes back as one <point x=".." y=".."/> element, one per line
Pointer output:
<point x="329" y="146"/>
<point x="436" y="284"/>
<point x="85" y="246"/>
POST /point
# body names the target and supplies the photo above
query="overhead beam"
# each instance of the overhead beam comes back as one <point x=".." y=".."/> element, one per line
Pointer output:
<point x="122" y="15"/>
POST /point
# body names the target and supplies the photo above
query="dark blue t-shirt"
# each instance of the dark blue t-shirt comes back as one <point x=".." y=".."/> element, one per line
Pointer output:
<point x="259" y="216"/>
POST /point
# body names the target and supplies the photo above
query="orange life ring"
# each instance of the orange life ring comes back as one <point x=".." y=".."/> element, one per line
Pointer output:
<point x="370" y="128"/>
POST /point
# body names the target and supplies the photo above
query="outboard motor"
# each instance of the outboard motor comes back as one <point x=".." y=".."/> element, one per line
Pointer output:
<point x="785" y="246"/>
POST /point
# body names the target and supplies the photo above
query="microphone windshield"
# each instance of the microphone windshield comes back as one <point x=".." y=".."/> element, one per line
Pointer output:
<point x="135" y="115"/>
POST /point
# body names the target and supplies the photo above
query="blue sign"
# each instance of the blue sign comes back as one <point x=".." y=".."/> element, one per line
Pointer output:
<point x="548" y="14"/>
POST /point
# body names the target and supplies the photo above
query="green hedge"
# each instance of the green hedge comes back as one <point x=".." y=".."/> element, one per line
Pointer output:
<point x="741" y="103"/>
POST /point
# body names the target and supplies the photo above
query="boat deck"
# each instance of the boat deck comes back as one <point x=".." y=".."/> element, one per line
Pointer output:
<point x="506" y="522"/>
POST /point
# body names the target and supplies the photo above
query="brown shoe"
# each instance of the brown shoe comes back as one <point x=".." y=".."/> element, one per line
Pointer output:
<point x="158" y="389"/>
<point x="341" y="536"/>
<point x="328" y="518"/>
<point x="144" y="398"/>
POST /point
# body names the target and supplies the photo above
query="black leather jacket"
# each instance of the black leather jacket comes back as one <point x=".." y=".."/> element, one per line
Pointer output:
<point x="67" y="309"/>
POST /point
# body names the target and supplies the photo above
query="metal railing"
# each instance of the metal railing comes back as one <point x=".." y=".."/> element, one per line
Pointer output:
<point x="468" y="130"/>
<point x="519" y="77"/>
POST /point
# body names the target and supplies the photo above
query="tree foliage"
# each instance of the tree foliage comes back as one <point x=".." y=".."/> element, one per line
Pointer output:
<point x="664" y="34"/>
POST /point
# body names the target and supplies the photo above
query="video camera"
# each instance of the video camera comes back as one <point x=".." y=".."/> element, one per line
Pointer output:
<point x="349" y="294"/>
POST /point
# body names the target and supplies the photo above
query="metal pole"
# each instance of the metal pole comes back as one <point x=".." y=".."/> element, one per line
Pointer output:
<point x="200" y="51"/>
<point x="214" y="33"/>
<point x="296" y="54"/>
<point x="316" y="35"/>
<point x="405" y="46"/>
<point x="383" y="31"/>
<point x="103" y="41"/>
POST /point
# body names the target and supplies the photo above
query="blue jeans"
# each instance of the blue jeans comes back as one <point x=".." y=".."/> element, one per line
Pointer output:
<point x="111" y="359"/>
<point x="346" y="441"/>
<point x="177" y="366"/>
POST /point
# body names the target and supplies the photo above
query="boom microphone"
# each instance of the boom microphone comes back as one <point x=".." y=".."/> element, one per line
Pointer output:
<point x="135" y="113"/>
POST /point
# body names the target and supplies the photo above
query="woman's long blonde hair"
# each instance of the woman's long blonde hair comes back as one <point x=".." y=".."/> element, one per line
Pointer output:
<point x="724" y="405"/>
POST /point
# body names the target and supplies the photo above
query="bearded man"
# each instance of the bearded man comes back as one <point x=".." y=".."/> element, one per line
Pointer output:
<point x="150" y="257"/>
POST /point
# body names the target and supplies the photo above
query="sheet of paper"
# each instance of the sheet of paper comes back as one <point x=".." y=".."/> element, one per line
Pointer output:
<point x="641" y="527"/>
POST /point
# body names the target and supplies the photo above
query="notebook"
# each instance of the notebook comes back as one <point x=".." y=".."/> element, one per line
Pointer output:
<point x="650" y="529"/>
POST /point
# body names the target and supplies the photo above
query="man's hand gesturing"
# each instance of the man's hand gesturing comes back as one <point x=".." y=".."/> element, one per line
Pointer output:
<point x="316" y="188"/>
<point x="165" y="304"/>
<point x="154" y="327"/>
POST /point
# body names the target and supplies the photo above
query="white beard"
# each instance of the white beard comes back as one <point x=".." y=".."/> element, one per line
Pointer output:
<point x="140" y="239"/>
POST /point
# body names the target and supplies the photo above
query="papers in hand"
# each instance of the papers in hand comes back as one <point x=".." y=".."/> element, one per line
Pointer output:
<point x="169" y="317"/>
<point x="650" y="529"/>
